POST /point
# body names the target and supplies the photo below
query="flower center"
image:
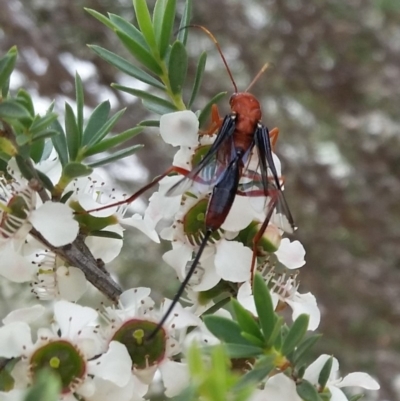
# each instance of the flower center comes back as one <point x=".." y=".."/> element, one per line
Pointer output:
<point x="63" y="359"/>
<point x="144" y="352"/>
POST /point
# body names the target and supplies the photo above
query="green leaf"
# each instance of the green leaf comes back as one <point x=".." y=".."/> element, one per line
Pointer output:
<point x="151" y="99"/>
<point x="177" y="67"/>
<point x="40" y="124"/>
<point x="246" y="321"/>
<point x="129" y="29"/>
<point x="46" y="387"/>
<point x="158" y="16"/>
<point x="325" y="373"/>
<point x="80" y="103"/>
<point x="243" y="351"/>
<point x="149" y="123"/>
<point x="167" y="25"/>
<point x="296" y="334"/>
<point x="74" y="170"/>
<point x="105" y="129"/>
<point x="106" y="234"/>
<point x="158" y="108"/>
<point x="7" y="64"/>
<point x="24" y="168"/>
<point x="115" y="140"/>
<point x="125" y="66"/>
<point x="96" y="122"/>
<point x="225" y="330"/>
<point x="100" y="17"/>
<point x="185" y="21"/>
<point x="258" y="373"/>
<point x="140" y="53"/>
<point x="307" y="391"/>
<point x="205" y="113"/>
<point x="201" y="65"/>
<point x="25" y="100"/>
<point x="145" y="24"/>
<point x="264" y="306"/>
<point x="45" y="180"/>
<point x="356" y="397"/>
<point x="72" y="132"/>
<point x="116" y="156"/>
<point x="10" y="110"/>
<point x="60" y="142"/>
<point x="301" y="351"/>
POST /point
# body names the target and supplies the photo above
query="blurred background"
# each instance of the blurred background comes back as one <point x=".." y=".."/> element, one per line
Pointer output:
<point x="333" y="91"/>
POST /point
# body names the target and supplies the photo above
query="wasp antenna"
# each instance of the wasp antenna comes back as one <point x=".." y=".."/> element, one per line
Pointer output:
<point x="213" y="38"/>
<point x="263" y="68"/>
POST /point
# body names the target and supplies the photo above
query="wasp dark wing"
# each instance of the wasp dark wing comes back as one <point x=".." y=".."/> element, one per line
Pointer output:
<point x="225" y="133"/>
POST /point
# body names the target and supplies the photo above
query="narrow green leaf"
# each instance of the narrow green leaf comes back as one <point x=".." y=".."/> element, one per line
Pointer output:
<point x="296" y="334"/>
<point x="44" y="134"/>
<point x="72" y="132"/>
<point x="116" y="156"/>
<point x="115" y="140"/>
<point x="276" y="332"/>
<point x="25" y="100"/>
<point x="125" y="66"/>
<point x="10" y="109"/>
<point x="140" y="53"/>
<point x="7" y="64"/>
<point x="158" y="108"/>
<point x="177" y="67"/>
<point x="356" y="397"/>
<point x="145" y="24"/>
<point x="167" y="25"/>
<point x="24" y="168"/>
<point x="74" y="170"/>
<point x="205" y="113"/>
<point x="105" y="234"/>
<point x="45" y="180"/>
<point x="257" y="374"/>
<point x="129" y="29"/>
<point x="304" y="347"/>
<point x="307" y="391"/>
<point x="185" y="21"/>
<point x="264" y="306"/>
<point x="246" y="320"/>
<point x="146" y="96"/>
<point x="96" y="121"/>
<point x="325" y="373"/>
<point x="80" y="103"/>
<point x="42" y="123"/>
<point x="201" y="65"/>
<point x="60" y="142"/>
<point x="149" y="123"/>
<point x="243" y="351"/>
<point x="158" y="15"/>
<point x="100" y="17"/>
<point x="105" y="129"/>
<point x="225" y="330"/>
<point x="253" y="339"/>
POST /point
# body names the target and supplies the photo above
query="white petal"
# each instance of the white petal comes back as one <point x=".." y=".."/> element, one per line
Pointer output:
<point x="14" y="339"/>
<point x="240" y="215"/>
<point x="72" y="283"/>
<point x="27" y="315"/>
<point x="178" y="258"/>
<point x="233" y="261"/>
<point x="359" y="379"/>
<point x="115" y="365"/>
<point x="183" y="158"/>
<point x="246" y="299"/>
<point x="337" y="394"/>
<point x="179" y="318"/>
<point x="291" y="254"/>
<point x="180" y="128"/>
<point x="55" y="221"/>
<point x="312" y="372"/>
<point x="72" y="317"/>
<point x="14" y="266"/>
<point x="134" y="297"/>
<point x="280" y="388"/>
<point x="106" y="249"/>
<point x="88" y="203"/>
<point x="175" y="376"/>
<point x="306" y="303"/>
<point x="146" y="226"/>
<point x="13" y="395"/>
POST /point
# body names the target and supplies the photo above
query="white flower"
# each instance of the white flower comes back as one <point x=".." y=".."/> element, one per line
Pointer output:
<point x="335" y="383"/>
<point x="72" y="349"/>
<point x="291" y="254"/>
<point x="132" y="324"/>
<point x="179" y="128"/>
<point x="278" y="388"/>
